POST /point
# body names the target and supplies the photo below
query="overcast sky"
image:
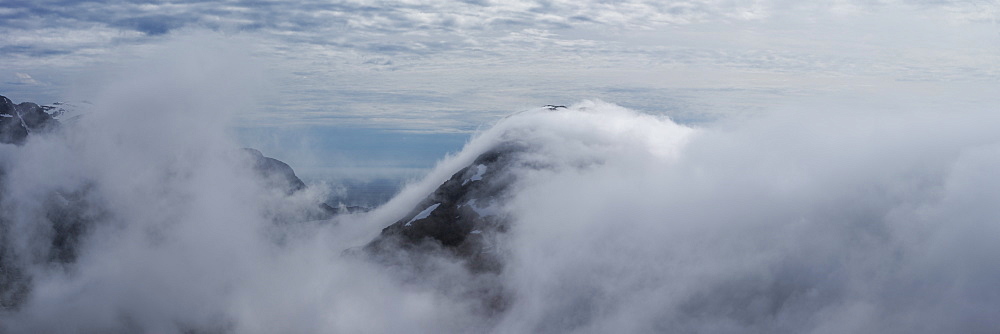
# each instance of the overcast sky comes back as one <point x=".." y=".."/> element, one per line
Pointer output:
<point x="421" y="75"/>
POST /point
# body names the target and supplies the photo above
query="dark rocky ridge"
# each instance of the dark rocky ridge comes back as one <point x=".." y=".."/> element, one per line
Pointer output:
<point x="462" y="217"/>
<point x="278" y="175"/>
<point x="19" y="120"/>
<point x="463" y="220"/>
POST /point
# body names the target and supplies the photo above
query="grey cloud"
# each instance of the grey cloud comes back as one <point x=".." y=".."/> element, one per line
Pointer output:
<point x="809" y="222"/>
<point x="151" y="25"/>
<point x="303" y="17"/>
<point x="31" y="51"/>
<point x="517" y="43"/>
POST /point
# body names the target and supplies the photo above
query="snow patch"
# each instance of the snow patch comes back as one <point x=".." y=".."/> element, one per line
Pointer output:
<point x="483" y="211"/>
<point x="64" y="112"/>
<point x="480" y="170"/>
<point x="24" y="125"/>
<point x="423" y="214"/>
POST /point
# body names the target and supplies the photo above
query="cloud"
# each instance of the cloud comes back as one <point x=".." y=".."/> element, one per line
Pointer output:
<point x="467" y="62"/>
<point x="826" y="218"/>
<point x="314" y="21"/>
<point x="807" y="221"/>
<point x="151" y="25"/>
<point x="22" y="79"/>
<point x="178" y="234"/>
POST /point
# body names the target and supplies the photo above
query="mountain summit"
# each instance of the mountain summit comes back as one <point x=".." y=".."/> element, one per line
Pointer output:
<point x="19" y="120"/>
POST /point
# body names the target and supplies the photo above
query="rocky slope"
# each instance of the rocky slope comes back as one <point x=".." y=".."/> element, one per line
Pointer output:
<point x="17" y="121"/>
<point x="461" y="216"/>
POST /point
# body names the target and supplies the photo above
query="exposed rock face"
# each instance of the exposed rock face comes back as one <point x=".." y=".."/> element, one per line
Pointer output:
<point x="462" y="216"/>
<point x="463" y="221"/>
<point x="18" y="120"/>
<point x="278" y="175"/>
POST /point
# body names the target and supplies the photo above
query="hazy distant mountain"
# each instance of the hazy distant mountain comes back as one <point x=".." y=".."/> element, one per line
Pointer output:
<point x="72" y="212"/>
<point x="19" y="120"/>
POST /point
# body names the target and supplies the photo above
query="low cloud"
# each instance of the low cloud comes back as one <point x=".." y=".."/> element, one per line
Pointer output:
<point x="835" y="215"/>
<point x="809" y="221"/>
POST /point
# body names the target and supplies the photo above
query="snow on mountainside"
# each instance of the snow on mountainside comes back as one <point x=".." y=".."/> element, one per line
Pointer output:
<point x="19" y="120"/>
<point x="67" y="112"/>
<point x="457" y="214"/>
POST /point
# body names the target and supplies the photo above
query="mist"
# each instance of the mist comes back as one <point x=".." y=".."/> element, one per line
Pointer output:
<point x="812" y="220"/>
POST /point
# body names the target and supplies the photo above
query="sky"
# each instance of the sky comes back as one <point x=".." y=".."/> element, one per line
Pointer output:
<point x="376" y="88"/>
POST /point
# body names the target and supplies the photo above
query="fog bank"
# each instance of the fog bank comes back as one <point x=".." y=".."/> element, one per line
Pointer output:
<point x="800" y="221"/>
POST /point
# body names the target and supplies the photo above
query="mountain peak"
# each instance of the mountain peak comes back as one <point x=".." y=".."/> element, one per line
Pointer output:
<point x="18" y="120"/>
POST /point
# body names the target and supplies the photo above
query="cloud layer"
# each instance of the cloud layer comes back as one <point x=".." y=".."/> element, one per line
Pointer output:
<point x="813" y="223"/>
<point x="853" y="192"/>
<point x="449" y="66"/>
<point x="822" y="219"/>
